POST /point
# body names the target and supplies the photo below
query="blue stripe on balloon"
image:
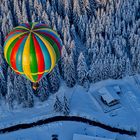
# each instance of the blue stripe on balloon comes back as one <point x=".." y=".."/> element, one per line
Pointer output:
<point x="45" y="52"/>
<point x="19" y="55"/>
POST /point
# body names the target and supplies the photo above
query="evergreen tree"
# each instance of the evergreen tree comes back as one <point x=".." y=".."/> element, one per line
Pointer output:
<point x="60" y="8"/>
<point x="45" y="18"/>
<point x="54" y="80"/>
<point x="128" y="69"/>
<point x="3" y="83"/>
<point x="58" y="107"/>
<point x="7" y="23"/>
<point x="69" y="72"/>
<point x="20" y="90"/>
<point x="62" y="63"/>
<point x="17" y="11"/>
<point x="76" y="11"/>
<point x="30" y="98"/>
<point x="43" y="89"/>
<point x="66" y="108"/>
<point x="24" y="12"/>
<point x="10" y="96"/>
<point x="82" y="71"/>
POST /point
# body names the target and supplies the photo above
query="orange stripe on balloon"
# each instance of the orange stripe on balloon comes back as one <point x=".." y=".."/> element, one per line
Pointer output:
<point x="39" y="56"/>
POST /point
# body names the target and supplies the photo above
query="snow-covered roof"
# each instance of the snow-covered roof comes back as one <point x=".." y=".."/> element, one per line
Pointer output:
<point x="108" y="98"/>
<point x="86" y="137"/>
<point x="108" y="94"/>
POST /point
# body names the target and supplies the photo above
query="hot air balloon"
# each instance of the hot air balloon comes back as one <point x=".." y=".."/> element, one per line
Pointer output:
<point x="32" y="50"/>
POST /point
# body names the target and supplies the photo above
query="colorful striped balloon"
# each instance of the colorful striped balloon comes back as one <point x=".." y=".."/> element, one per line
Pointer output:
<point x="32" y="50"/>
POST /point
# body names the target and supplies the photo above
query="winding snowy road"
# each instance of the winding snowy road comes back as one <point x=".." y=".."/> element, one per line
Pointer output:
<point x="66" y="118"/>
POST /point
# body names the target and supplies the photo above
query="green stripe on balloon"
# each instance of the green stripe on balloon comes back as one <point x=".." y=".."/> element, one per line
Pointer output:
<point x="33" y="59"/>
<point x="56" y="50"/>
<point x="24" y="30"/>
<point x="8" y="55"/>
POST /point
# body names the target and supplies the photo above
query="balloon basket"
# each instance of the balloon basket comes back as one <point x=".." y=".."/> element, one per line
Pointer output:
<point x="35" y="86"/>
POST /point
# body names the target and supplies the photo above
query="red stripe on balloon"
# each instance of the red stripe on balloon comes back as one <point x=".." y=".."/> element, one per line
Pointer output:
<point x="14" y="52"/>
<point x="53" y="38"/>
<point x="40" y="58"/>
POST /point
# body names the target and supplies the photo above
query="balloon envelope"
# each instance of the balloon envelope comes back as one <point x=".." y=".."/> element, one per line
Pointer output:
<point x="32" y="50"/>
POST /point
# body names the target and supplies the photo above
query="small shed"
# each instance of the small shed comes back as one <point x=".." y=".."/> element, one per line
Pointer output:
<point x="117" y="89"/>
<point x="86" y="137"/>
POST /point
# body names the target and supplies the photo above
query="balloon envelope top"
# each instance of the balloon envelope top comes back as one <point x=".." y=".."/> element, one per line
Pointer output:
<point x="32" y="50"/>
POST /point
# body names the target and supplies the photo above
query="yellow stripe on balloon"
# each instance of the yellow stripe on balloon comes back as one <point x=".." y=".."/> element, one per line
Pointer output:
<point x="36" y="73"/>
<point x="26" y="59"/>
<point x="50" y="50"/>
<point x="9" y="42"/>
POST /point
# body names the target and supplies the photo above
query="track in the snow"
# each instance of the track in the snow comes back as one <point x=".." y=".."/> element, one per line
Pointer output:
<point x="66" y="118"/>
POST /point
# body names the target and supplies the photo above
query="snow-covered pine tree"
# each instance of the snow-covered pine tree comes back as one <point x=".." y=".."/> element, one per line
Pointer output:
<point x="66" y="108"/>
<point x="81" y="28"/>
<point x="38" y="8"/>
<point x="54" y="4"/>
<point x="106" y="68"/>
<point x="10" y="96"/>
<point x="92" y="5"/>
<point x="66" y="7"/>
<point x="82" y="71"/>
<point x="59" y="26"/>
<point x="30" y="94"/>
<point x="95" y="71"/>
<point x="20" y="90"/>
<point x="3" y="83"/>
<point x="69" y="72"/>
<point x="45" y="18"/>
<point x="128" y="68"/>
<point x="58" y="106"/>
<point x="24" y="12"/>
<point x="138" y="64"/>
<point x="31" y="4"/>
<point x="7" y="23"/>
<point x="76" y="12"/>
<point x="60" y="8"/>
<point x="48" y="7"/>
<point x="43" y="89"/>
<point x="64" y="55"/>
<point x="73" y="51"/>
<point x="114" y="68"/>
<point x="17" y="11"/>
<point x="54" y="80"/>
<point x="3" y="73"/>
<point x="73" y="32"/>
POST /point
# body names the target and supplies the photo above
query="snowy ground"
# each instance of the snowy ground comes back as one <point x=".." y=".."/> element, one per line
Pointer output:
<point x="82" y="103"/>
